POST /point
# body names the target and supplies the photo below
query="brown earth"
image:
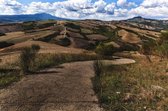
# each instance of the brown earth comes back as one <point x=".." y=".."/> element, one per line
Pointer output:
<point x="129" y="37"/>
<point x="97" y="37"/>
<point x="45" y="47"/>
<point x="65" y="88"/>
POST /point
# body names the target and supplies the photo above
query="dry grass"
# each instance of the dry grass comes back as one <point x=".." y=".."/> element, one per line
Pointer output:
<point x="139" y="87"/>
<point x="45" y="47"/>
<point x="12" y="35"/>
<point x="129" y="37"/>
<point x="19" y="37"/>
<point x="97" y="37"/>
<point x="75" y="35"/>
<point x="146" y="32"/>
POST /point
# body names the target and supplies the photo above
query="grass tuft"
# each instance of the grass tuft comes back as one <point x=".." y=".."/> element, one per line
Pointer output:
<point x="132" y="88"/>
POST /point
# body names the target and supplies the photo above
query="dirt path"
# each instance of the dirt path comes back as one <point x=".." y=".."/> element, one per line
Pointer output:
<point x="65" y="88"/>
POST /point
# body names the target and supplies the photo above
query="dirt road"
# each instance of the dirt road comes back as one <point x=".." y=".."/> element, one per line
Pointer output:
<point x="65" y="88"/>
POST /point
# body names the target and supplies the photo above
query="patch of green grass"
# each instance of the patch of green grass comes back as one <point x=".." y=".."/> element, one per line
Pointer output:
<point x="48" y="37"/>
<point x="27" y="58"/>
<point x="106" y="49"/>
<point x="106" y="31"/>
<point x="7" y="77"/>
<point x="73" y="26"/>
<point x="132" y="88"/>
<point x="162" y="49"/>
<point x="164" y="35"/>
<point x="48" y="60"/>
<point x="29" y="25"/>
<point x="86" y="31"/>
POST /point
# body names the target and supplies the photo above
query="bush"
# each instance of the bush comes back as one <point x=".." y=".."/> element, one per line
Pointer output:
<point x="164" y="35"/>
<point x="73" y="26"/>
<point x="163" y="50"/>
<point x="106" y="50"/>
<point x="28" y="25"/>
<point x="5" y="44"/>
<point x="98" y="67"/>
<point x="2" y="34"/>
<point x="27" y="58"/>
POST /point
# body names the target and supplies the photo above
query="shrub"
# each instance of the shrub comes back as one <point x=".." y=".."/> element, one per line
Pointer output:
<point x="2" y="34"/>
<point x="106" y="31"/>
<point x="5" y="44"/>
<point x="98" y="67"/>
<point x="106" y="50"/>
<point x="164" y="35"/>
<point x="27" y="58"/>
<point x="163" y="49"/>
<point x="73" y="26"/>
<point x="28" y="25"/>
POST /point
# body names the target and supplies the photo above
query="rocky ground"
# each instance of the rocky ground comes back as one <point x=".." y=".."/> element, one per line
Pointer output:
<point x="65" y="88"/>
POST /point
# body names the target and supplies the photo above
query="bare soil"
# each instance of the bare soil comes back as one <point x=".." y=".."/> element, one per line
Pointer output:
<point x="64" y="88"/>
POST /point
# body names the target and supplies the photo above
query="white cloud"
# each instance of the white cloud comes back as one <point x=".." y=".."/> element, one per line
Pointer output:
<point x="72" y="9"/>
<point x="8" y="7"/>
<point x="152" y="9"/>
<point x="125" y="4"/>
<point x="154" y="3"/>
<point x="110" y="8"/>
<point x="121" y="2"/>
<point x="87" y="9"/>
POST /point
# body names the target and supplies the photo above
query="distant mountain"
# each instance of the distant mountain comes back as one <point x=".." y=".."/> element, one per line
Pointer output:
<point x="150" y="24"/>
<point x="29" y="17"/>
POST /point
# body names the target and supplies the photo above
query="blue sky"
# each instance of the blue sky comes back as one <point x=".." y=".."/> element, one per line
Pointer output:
<point x="108" y="1"/>
<point x="88" y="9"/>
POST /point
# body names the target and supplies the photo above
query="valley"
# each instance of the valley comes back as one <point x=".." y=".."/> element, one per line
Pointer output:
<point x="84" y="65"/>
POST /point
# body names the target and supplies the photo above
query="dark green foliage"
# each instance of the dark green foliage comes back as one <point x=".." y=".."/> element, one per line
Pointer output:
<point x="45" y="25"/>
<point x="98" y="67"/>
<point x="106" y="50"/>
<point x="2" y="34"/>
<point x="8" y="76"/>
<point x="163" y="49"/>
<point x="64" y="42"/>
<point x="5" y="44"/>
<point x="129" y="47"/>
<point x="48" y="38"/>
<point x="29" y="25"/>
<point x="106" y="31"/>
<point x="35" y="48"/>
<point x="164" y="36"/>
<point x="27" y="58"/>
<point x="73" y="26"/>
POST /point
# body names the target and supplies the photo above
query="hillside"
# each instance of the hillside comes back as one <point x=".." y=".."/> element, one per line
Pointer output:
<point x="84" y="65"/>
<point x="85" y="34"/>
<point x="149" y="24"/>
<point x="28" y="17"/>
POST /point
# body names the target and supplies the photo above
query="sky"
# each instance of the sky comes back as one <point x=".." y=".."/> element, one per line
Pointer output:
<point x="88" y="9"/>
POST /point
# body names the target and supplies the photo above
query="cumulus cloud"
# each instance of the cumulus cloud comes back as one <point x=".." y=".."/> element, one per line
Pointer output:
<point x="124" y="3"/>
<point x="89" y="9"/>
<point x="154" y="3"/>
<point x="74" y="9"/>
<point x="152" y="9"/>
<point x="9" y="7"/>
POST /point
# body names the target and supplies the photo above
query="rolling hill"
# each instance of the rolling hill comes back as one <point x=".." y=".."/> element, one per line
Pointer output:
<point x="149" y="24"/>
<point x="29" y="17"/>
